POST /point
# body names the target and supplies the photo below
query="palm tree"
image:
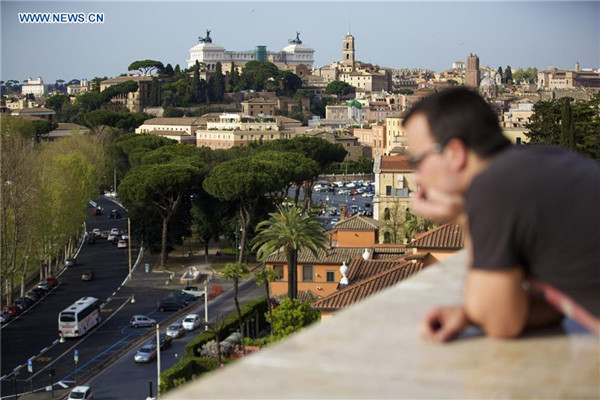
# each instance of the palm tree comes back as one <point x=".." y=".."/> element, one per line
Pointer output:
<point x="290" y="229"/>
<point x="235" y="272"/>
<point x="263" y="277"/>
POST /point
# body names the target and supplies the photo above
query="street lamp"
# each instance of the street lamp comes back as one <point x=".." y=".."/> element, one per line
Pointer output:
<point x="157" y="358"/>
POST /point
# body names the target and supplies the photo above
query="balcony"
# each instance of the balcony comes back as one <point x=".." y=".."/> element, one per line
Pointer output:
<point x="372" y="350"/>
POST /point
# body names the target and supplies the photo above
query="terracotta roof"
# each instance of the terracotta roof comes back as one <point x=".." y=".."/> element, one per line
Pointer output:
<point x="389" y="252"/>
<point x="360" y="269"/>
<point x="286" y="120"/>
<point x="449" y="236"/>
<point x="120" y="79"/>
<point x="395" y="163"/>
<point x="334" y="255"/>
<point x="259" y="101"/>
<point x="182" y="121"/>
<point x="358" y="223"/>
<point x="159" y="132"/>
<point x="304" y="296"/>
<point x="367" y="287"/>
<point x="37" y="110"/>
<point x="69" y="126"/>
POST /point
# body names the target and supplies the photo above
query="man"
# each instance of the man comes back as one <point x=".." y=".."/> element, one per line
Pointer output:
<point x="531" y="215"/>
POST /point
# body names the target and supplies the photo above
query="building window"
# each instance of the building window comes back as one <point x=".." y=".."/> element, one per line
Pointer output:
<point x="387" y="238"/>
<point x="386" y="214"/>
<point x="278" y="271"/>
<point x="388" y="190"/>
<point x="307" y="273"/>
<point x="330" y="276"/>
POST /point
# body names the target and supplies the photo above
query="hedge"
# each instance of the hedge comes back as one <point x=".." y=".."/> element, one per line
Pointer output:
<point x="186" y="369"/>
<point x="253" y="308"/>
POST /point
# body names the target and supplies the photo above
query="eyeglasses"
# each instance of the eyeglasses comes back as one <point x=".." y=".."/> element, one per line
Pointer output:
<point x="416" y="159"/>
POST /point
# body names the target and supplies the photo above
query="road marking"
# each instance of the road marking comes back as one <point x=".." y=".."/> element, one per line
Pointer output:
<point x="43" y="350"/>
<point x="44" y="359"/>
<point x="106" y="310"/>
<point x="64" y="385"/>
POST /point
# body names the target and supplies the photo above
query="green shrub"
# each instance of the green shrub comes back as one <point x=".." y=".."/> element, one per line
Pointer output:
<point x="186" y="369"/>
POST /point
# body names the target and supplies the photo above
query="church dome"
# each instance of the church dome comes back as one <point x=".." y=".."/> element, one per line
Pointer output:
<point x="487" y="82"/>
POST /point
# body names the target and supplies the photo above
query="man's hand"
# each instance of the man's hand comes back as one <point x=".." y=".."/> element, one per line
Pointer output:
<point x="441" y="324"/>
<point x="437" y="206"/>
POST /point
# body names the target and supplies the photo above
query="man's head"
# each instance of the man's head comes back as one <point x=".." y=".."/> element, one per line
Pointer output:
<point x="462" y="114"/>
<point x="448" y="133"/>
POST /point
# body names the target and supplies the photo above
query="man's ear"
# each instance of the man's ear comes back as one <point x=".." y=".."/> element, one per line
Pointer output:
<point x="456" y="154"/>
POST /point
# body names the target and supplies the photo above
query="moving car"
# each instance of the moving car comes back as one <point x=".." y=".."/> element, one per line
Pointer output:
<point x="115" y="231"/>
<point x="191" y="322"/>
<point x="146" y="353"/>
<point x="170" y="304"/>
<point x="80" y="393"/>
<point x="70" y="262"/>
<point x="114" y="214"/>
<point x="175" y="330"/>
<point x="87" y="276"/>
<point x="165" y="341"/>
<point x="97" y="232"/>
<point x="193" y="290"/>
<point x="97" y="211"/>
<point x="122" y="243"/>
<point x="104" y="234"/>
<point x="141" y="320"/>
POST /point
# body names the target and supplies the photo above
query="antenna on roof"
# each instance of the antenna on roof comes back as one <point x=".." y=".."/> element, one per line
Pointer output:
<point x="349" y="27"/>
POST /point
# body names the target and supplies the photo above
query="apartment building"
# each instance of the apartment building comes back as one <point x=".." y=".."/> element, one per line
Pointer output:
<point x="228" y="130"/>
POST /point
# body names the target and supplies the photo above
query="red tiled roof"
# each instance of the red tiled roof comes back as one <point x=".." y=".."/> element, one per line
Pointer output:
<point x="395" y="163"/>
<point x="367" y="287"/>
<point x="358" y="223"/>
<point x="360" y="269"/>
<point x="449" y="236"/>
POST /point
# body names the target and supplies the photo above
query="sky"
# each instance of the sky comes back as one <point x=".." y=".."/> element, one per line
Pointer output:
<point x="395" y="34"/>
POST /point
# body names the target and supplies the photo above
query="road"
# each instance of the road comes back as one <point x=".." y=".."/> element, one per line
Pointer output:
<point x="109" y="384"/>
<point x="37" y="329"/>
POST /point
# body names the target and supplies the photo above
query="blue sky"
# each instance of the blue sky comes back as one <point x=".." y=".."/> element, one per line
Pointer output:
<point x="397" y="34"/>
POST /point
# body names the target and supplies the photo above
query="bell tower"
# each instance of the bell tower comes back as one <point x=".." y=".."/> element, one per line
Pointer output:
<point x="348" y="50"/>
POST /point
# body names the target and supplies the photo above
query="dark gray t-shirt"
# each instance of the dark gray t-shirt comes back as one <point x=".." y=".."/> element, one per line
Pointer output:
<point x="538" y="208"/>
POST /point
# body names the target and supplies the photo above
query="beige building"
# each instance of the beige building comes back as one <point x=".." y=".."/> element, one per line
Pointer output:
<point x="394" y="181"/>
<point x="256" y="107"/>
<point x="395" y="135"/>
<point x="228" y="130"/>
<point x="83" y="86"/>
<point x="373" y="136"/>
<point x="472" y="73"/>
<point x="133" y="101"/>
<point x="568" y="79"/>
<point x="181" y="129"/>
<point x="19" y="104"/>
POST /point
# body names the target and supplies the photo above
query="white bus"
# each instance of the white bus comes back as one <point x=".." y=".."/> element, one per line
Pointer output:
<point x="79" y="317"/>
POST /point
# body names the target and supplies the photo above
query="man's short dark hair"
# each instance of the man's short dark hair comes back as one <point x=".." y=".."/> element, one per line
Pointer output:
<point x="462" y="113"/>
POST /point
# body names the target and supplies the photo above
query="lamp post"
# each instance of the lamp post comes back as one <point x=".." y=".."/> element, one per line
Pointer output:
<point x="206" y="303"/>
<point x="157" y="359"/>
<point x="129" y="244"/>
<point x="76" y="359"/>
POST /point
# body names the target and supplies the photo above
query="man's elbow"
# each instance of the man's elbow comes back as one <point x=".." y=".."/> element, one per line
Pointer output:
<point x="496" y="324"/>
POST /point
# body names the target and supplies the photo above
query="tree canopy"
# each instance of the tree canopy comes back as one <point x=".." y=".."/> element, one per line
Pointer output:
<point x="146" y="67"/>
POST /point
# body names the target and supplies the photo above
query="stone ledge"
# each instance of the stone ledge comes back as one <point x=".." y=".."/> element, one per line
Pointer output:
<point x="372" y="350"/>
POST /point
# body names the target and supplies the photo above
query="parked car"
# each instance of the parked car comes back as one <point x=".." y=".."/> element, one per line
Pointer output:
<point x="91" y="239"/>
<point x="87" y="276"/>
<point x="34" y="295"/>
<point x="13" y="310"/>
<point x="191" y="322"/>
<point x="165" y="341"/>
<point x="39" y="291"/>
<point x="45" y="285"/>
<point x="70" y="262"/>
<point x="52" y="281"/>
<point x="122" y="243"/>
<point x="188" y="298"/>
<point x="170" y="304"/>
<point x="175" y="330"/>
<point x="141" y="320"/>
<point x="5" y="317"/>
<point x="146" y="353"/>
<point x="24" y="302"/>
<point x="194" y="291"/>
<point x="80" y="393"/>
<point x="114" y="214"/>
<point x="97" y="211"/>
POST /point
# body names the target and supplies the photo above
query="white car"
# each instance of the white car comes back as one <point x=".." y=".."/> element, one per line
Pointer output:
<point x="193" y="290"/>
<point x="191" y="322"/>
<point x="122" y="243"/>
<point x="115" y="231"/>
<point x="175" y="330"/>
<point x="141" y="320"/>
<point x="80" y="393"/>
